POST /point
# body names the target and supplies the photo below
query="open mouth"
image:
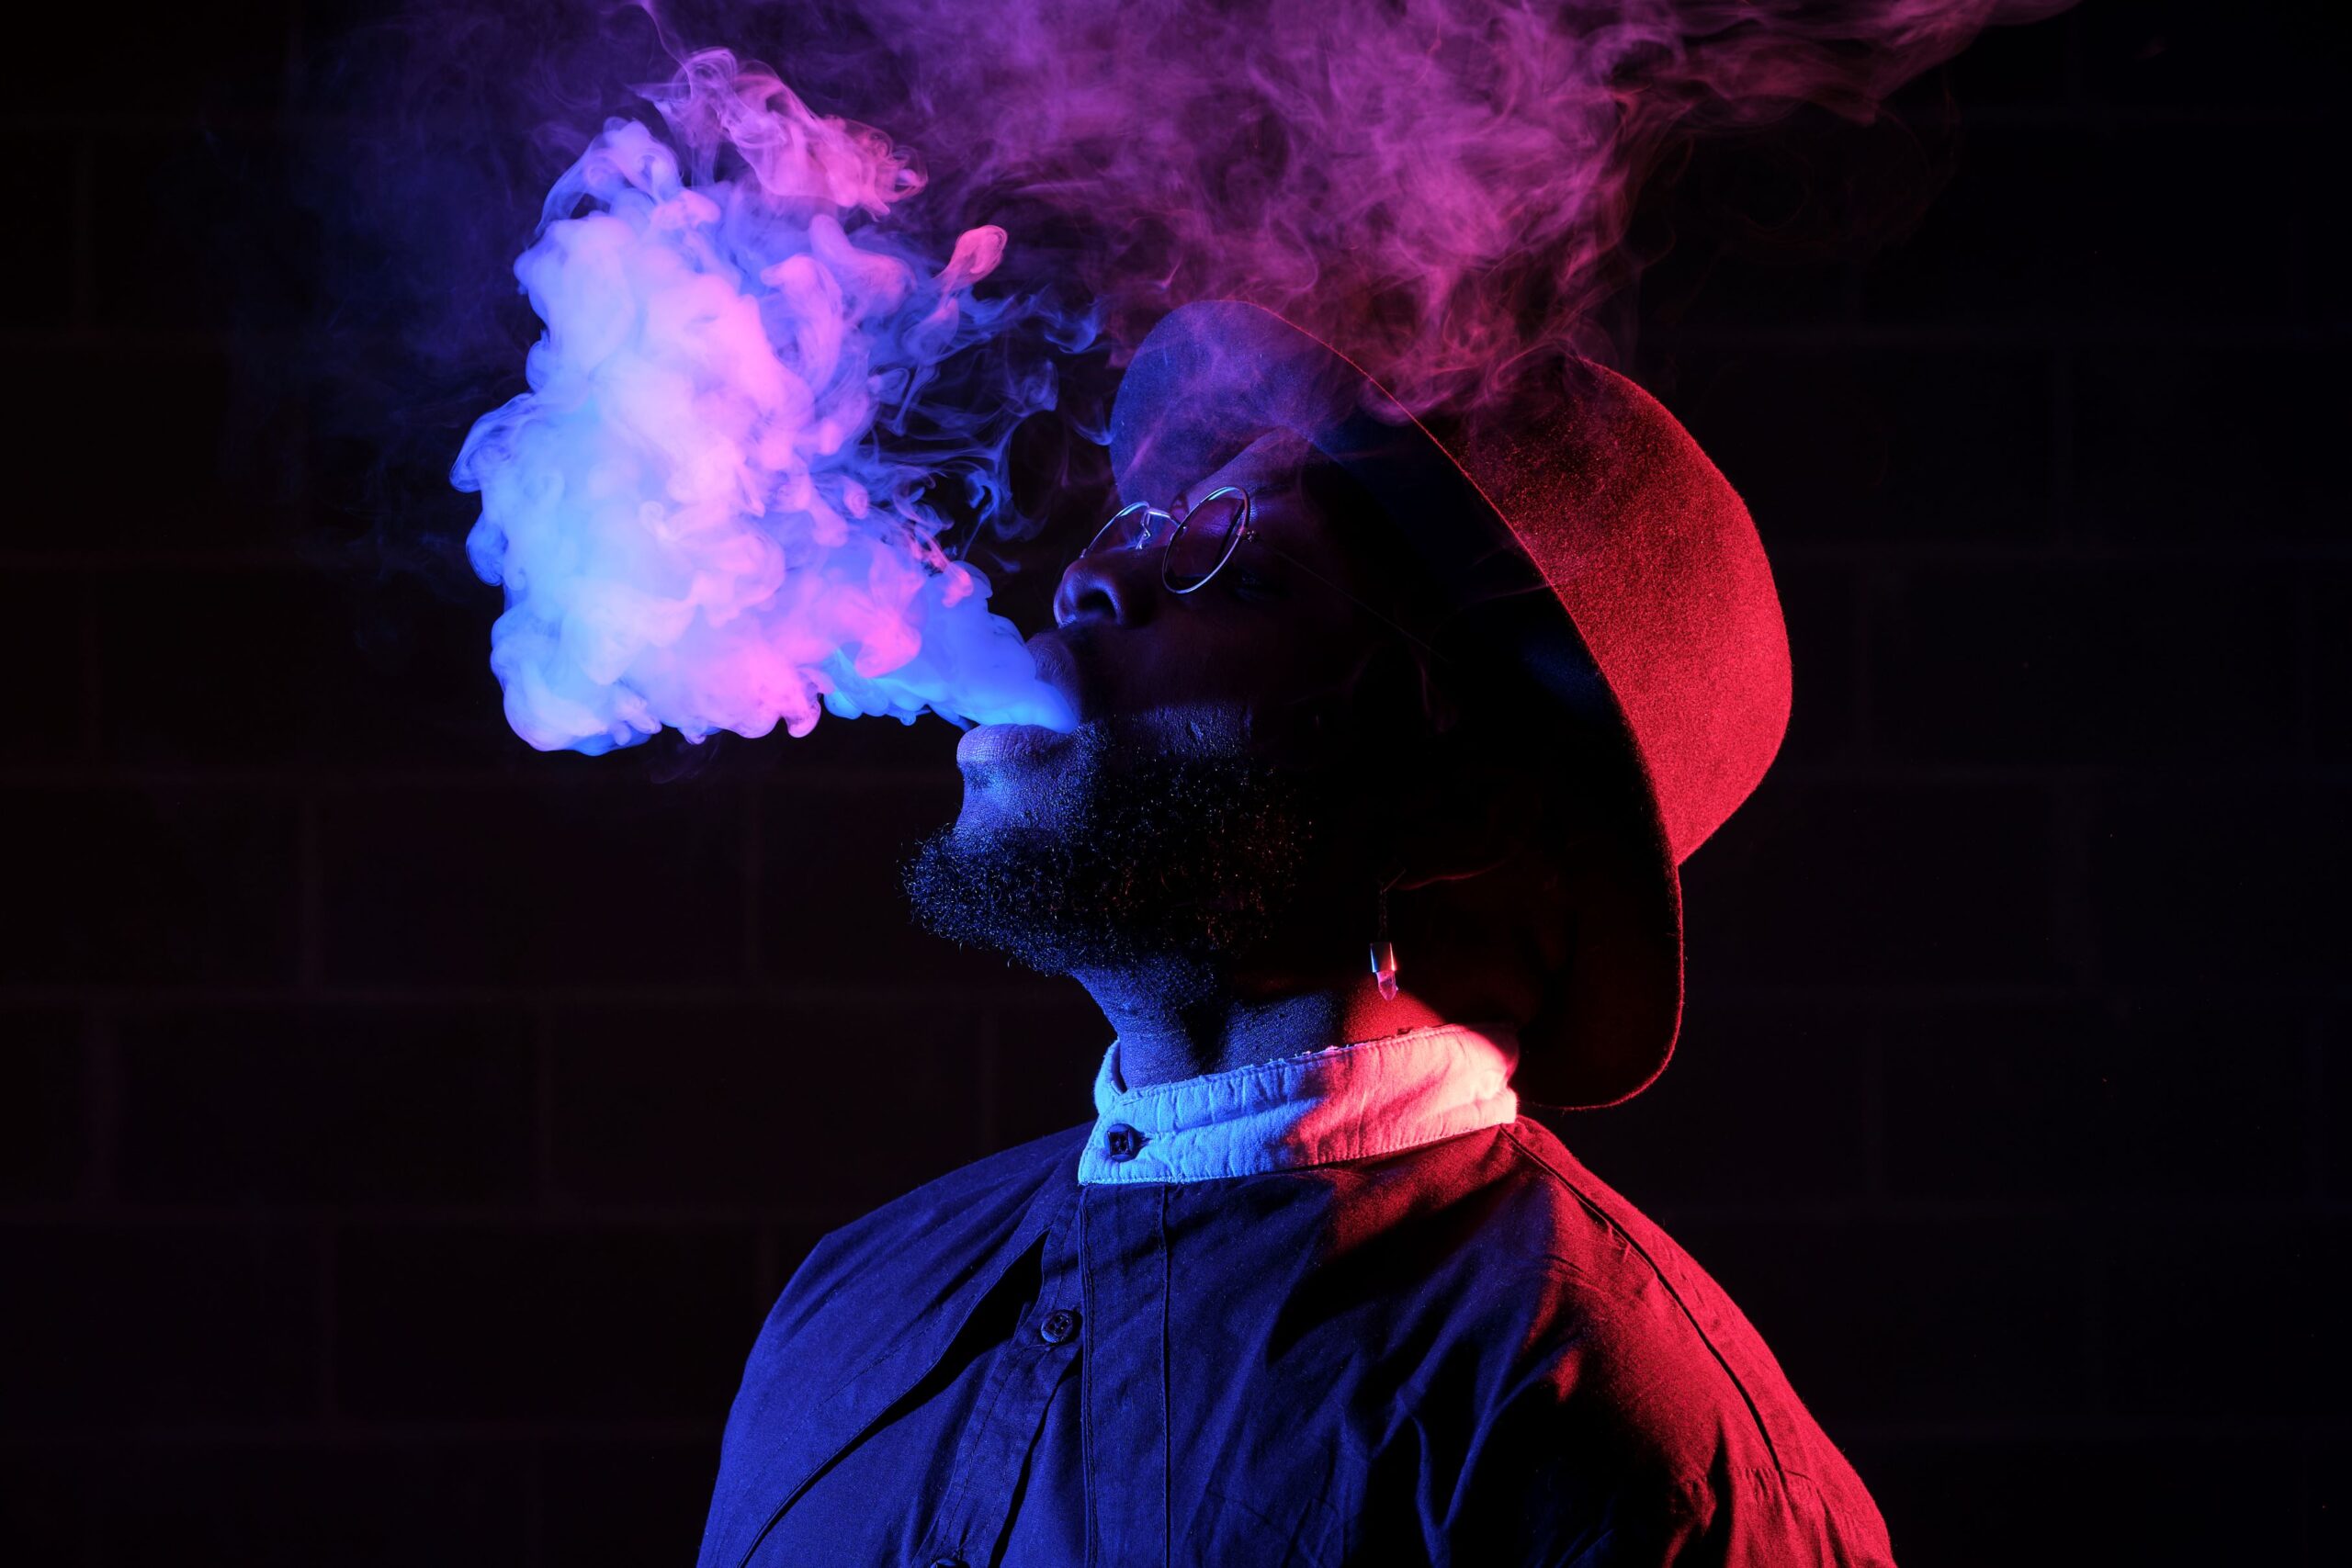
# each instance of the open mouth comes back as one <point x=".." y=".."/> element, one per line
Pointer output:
<point x="1056" y="668"/>
<point x="1011" y="748"/>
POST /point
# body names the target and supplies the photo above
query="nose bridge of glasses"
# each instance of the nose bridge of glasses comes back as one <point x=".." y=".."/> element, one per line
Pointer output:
<point x="1100" y="571"/>
<point x="1152" y="526"/>
<point x="1133" y="527"/>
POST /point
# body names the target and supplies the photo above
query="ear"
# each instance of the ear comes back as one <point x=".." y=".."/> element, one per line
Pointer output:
<point x="1461" y="822"/>
<point x="1387" y="694"/>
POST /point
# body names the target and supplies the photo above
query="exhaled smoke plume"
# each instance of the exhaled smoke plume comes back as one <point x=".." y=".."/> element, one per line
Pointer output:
<point x="693" y="524"/>
<point x="1439" y="186"/>
<point x="693" y="521"/>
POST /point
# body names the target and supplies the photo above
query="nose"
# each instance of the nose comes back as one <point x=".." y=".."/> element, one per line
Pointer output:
<point x="1120" y="585"/>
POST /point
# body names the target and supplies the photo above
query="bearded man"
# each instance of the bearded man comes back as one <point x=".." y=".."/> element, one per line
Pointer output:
<point x="1390" y="751"/>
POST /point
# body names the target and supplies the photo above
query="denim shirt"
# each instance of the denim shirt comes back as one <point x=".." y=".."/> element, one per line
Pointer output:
<point x="1346" y="1308"/>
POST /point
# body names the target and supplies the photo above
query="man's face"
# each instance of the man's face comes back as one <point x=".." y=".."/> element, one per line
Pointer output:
<point x="1187" y="812"/>
<point x="1236" y="668"/>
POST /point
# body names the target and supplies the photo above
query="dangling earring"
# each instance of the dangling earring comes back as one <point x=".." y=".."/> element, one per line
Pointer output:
<point x="1383" y="951"/>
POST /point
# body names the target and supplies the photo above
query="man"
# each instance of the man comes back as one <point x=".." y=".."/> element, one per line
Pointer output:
<point x="1389" y="754"/>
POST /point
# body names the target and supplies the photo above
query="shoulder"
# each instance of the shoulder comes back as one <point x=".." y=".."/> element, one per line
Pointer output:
<point x="957" y="1219"/>
<point x="1008" y="1179"/>
<point x="868" y="1312"/>
<point x="1632" y="1350"/>
<point x="1616" y="1262"/>
<point x="1595" y="1308"/>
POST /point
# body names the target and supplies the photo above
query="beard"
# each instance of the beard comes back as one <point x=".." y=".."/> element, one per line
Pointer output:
<point x="1173" y="864"/>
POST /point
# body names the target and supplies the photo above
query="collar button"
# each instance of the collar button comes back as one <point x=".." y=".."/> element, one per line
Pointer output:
<point x="1121" y="1142"/>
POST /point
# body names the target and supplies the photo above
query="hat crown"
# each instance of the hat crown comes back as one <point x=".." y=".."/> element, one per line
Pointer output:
<point x="1654" y="556"/>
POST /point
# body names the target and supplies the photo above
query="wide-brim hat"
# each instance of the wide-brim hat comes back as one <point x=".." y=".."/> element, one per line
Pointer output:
<point x="1586" y="539"/>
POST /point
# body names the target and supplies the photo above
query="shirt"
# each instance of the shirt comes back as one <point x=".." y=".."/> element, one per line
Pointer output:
<point x="1346" y="1307"/>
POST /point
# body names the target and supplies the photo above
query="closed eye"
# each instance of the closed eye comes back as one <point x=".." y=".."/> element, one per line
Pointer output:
<point x="1251" y="586"/>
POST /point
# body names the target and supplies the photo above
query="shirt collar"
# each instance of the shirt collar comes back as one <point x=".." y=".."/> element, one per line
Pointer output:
<point x="1372" y="1096"/>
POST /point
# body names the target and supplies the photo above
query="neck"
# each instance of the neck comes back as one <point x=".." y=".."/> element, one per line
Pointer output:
<point x="1173" y="1027"/>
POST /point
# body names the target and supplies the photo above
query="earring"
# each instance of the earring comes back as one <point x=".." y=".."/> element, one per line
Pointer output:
<point x="1383" y="951"/>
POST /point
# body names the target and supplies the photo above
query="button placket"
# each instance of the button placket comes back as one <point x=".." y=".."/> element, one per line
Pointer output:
<point x="976" y="1508"/>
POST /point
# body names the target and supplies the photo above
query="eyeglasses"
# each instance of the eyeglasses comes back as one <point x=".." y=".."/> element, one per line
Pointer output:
<point x="1198" y="545"/>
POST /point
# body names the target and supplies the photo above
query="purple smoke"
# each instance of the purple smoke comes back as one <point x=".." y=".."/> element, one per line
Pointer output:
<point x="1441" y="187"/>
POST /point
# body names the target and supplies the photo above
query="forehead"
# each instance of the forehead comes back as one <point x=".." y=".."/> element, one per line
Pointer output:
<point x="1283" y="507"/>
<point x="1271" y="464"/>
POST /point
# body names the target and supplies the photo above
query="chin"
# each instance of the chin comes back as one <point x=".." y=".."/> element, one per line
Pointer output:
<point x="1020" y="776"/>
<point x="986" y="818"/>
<point x="995" y="805"/>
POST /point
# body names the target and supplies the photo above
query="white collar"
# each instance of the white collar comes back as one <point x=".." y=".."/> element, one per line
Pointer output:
<point x="1373" y="1096"/>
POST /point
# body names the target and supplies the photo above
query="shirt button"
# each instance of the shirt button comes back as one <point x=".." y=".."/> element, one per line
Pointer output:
<point x="1121" y="1142"/>
<point x="1058" y="1325"/>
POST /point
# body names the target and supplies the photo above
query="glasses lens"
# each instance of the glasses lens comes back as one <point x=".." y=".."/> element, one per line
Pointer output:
<point x="1204" y="540"/>
<point x="1126" y="526"/>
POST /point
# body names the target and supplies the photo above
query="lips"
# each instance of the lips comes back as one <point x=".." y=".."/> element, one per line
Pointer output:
<point x="992" y="748"/>
<point x="1058" y="669"/>
<point x="1003" y="751"/>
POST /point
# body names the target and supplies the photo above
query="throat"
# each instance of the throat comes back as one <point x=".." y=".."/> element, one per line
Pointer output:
<point x="1172" y="1026"/>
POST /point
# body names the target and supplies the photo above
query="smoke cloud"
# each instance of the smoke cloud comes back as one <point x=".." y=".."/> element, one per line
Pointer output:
<point x="1440" y="187"/>
<point x="687" y="509"/>
<point x="785" y="357"/>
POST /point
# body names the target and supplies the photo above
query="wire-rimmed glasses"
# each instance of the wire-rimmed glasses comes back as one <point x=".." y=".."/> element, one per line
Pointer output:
<point x="1197" y="545"/>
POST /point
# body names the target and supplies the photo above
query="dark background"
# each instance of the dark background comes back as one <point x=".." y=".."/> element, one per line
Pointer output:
<point x="402" y="1132"/>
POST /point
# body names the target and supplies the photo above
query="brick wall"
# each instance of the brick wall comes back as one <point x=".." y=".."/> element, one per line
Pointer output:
<point x="404" y="1132"/>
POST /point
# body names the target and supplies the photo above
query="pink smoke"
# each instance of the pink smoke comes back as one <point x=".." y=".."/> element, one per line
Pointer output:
<point x="1438" y="186"/>
<point x="695" y="520"/>
<point x="689" y="510"/>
